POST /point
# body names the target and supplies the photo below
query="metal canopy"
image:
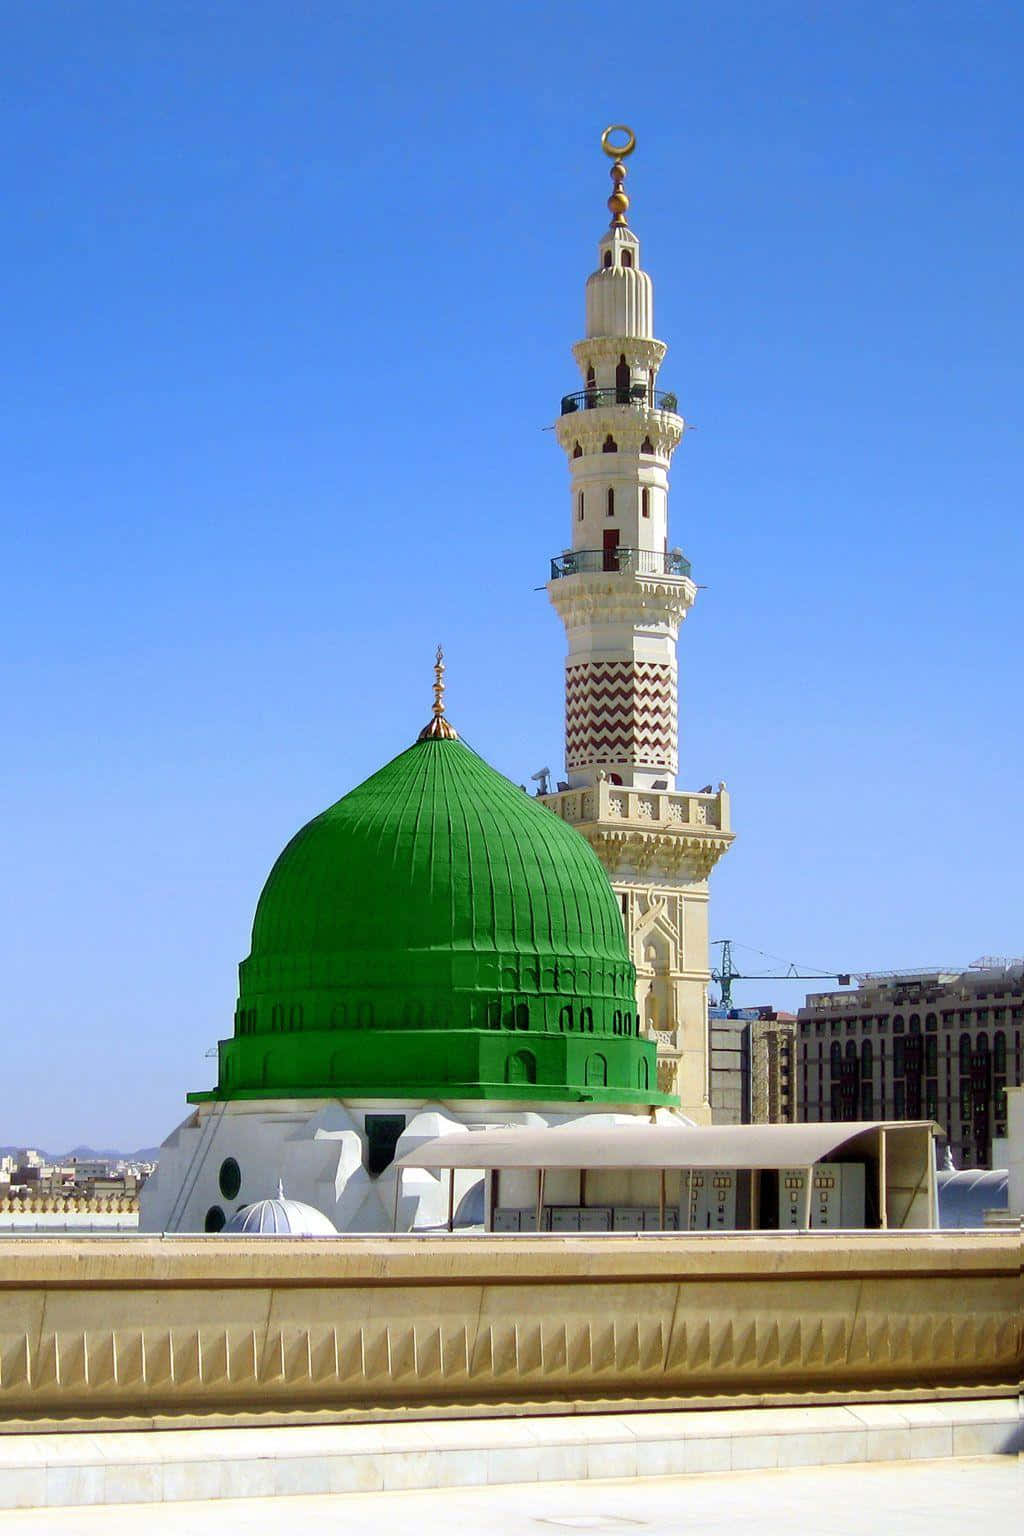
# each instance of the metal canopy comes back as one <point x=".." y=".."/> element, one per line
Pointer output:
<point x="653" y="1146"/>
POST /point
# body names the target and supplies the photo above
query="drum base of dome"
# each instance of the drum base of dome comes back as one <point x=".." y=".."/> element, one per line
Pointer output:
<point x="568" y="1067"/>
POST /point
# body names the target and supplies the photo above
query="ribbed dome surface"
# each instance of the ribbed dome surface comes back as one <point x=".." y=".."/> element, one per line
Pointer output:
<point x="436" y="853"/>
<point x="437" y="933"/>
<point x="280" y="1217"/>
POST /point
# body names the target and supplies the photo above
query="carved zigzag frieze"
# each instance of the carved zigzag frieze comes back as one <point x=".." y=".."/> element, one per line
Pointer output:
<point x="789" y="1335"/>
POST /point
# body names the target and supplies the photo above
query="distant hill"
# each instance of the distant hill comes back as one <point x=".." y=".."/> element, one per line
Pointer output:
<point x="107" y="1154"/>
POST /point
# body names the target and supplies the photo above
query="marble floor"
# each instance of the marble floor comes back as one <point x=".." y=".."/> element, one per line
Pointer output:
<point x="923" y="1498"/>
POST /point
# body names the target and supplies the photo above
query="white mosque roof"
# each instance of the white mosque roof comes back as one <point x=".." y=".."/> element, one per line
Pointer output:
<point x="642" y="1145"/>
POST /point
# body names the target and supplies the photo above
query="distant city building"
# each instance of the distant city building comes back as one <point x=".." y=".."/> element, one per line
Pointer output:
<point x="85" y="1168"/>
<point x="729" y="1065"/>
<point x="772" y="1048"/>
<point x="751" y="1053"/>
<point x="935" y="1044"/>
<point x="28" y="1176"/>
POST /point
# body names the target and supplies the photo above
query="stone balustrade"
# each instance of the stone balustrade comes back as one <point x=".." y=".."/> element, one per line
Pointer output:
<point x="68" y="1205"/>
<point x="654" y="809"/>
<point x="353" y="1327"/>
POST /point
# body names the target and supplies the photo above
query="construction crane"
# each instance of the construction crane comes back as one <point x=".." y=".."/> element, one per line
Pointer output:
<point x="725" y="975"/>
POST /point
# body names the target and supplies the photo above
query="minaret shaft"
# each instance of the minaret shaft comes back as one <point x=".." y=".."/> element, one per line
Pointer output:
<point x="620" y="591"/>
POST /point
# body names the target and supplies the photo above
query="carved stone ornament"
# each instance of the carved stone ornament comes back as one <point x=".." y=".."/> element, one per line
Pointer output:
<point x="668" y="1075"/>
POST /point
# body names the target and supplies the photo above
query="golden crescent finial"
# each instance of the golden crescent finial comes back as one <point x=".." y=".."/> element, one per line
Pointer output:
<point x="439" y="729"/>
<point x="619" y="200"/>
<point x="620" y="153"/>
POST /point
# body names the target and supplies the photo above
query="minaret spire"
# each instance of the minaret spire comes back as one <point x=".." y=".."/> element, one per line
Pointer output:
<point x="618" y="203"/>
<point x="439" y="728"/>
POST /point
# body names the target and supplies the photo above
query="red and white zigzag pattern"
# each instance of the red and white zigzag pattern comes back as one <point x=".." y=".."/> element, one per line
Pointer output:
<point x="621" y="712"/>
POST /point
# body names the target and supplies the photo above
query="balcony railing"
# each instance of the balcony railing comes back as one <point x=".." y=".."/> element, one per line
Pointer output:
<point x="639" y="562"/>
<point x="640" y="396"/>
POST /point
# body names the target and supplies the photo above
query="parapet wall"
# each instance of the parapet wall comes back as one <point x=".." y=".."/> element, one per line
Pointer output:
<point x="173" y="1329"/>
<point x="67" y="1205"/>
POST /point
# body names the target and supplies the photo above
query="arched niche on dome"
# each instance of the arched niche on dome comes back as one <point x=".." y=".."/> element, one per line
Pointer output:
<point x="596" y="1071"/>
<point x="339" y="1015"/>
<point x="643" y="1074"/>
<point x="521" y="1067"/>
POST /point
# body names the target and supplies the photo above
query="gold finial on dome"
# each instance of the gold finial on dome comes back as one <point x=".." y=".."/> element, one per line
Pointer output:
<point x="439" y="729"/>
<point x="619" y="200"/>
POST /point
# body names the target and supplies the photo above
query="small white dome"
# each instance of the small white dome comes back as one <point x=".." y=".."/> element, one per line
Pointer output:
<point x="281" y="1218"/>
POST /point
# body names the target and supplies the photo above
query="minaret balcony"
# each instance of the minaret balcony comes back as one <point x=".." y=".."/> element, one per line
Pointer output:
<point x="634" y="562"/>
<point x="639" y="396"/>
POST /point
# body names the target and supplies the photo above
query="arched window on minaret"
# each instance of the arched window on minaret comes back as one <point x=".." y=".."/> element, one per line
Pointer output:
<point x="610" y="445"/>
<point x="577" y="451"/>
<point x="627" y="258"/>
<point x="623" y="378"/>
<point x="610" y="509"/>
<point x="646" y="446"/>
<point x="591" y="399"/>
<point x="607" y="258"/>
<point x="645" y="501"/>
<point x="579" y="506"/>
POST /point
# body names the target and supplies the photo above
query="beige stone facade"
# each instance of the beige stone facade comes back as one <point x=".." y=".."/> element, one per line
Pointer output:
<point x="150" y="1328"/>
<point x="659" y="847"/>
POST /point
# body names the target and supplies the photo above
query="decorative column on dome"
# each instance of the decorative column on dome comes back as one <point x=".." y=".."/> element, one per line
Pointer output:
<point x="622" y="591"/>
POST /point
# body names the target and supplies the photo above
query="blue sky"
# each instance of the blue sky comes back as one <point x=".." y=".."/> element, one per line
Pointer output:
<point x="290" y="296"/>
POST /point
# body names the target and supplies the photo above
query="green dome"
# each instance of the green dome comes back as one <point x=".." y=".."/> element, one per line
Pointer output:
<point x="437" y="933"/>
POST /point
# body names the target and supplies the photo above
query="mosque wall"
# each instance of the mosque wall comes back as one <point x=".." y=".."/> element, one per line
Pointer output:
<point x="349" y="1327"/>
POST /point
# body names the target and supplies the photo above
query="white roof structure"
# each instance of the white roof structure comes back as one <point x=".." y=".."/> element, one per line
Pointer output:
<point x="643" y="1145"/>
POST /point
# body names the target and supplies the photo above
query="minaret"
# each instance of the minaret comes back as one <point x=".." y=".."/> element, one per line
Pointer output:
<point x="622" y="592"/>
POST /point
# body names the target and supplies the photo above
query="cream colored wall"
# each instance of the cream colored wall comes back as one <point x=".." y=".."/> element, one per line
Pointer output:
<point x="671" y="983"/>
<point x="250" y="1328"/>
